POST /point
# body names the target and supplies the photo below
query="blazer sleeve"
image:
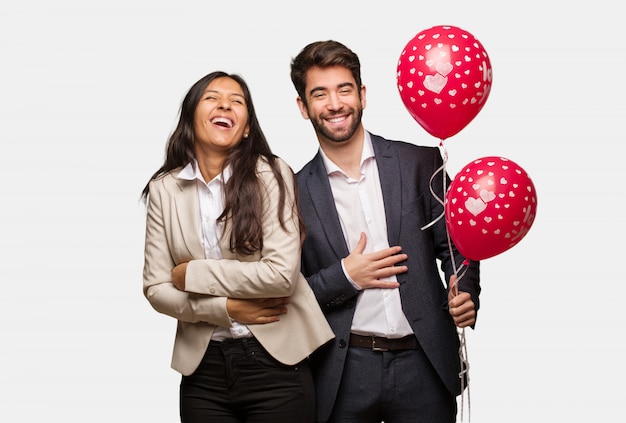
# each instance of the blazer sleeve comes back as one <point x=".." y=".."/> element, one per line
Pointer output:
<point x="468" y="271"/>
<point x="274" y="271"/>
<point x="158" y="264"/>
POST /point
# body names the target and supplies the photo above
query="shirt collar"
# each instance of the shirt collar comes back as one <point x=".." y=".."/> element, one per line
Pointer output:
<point x="192" y="172"/>
<point x="368" y="152"/>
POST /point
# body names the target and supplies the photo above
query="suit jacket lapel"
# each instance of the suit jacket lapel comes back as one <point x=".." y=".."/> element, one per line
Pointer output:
<point x="391" y="184"/>
<point x="318" y="186"/>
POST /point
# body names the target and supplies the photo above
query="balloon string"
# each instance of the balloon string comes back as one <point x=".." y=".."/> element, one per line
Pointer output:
<point x="464" y="375"/>
<point x="463" y="357"/>
<point x="441" y="169"/>
<point x="459" y="272"/>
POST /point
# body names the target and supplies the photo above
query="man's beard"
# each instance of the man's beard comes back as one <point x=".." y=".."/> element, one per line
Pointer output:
<point x="318" y="125"/>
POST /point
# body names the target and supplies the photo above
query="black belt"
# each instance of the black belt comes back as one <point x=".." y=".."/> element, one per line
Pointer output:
<point x="377" y="343"/>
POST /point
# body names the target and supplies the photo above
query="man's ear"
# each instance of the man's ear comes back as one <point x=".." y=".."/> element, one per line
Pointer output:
<point x="303" y="110"/>
<point x="363" y="99"/>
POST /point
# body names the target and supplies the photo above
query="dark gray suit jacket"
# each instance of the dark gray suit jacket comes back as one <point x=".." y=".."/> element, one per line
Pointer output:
<point x="405" y="171"/>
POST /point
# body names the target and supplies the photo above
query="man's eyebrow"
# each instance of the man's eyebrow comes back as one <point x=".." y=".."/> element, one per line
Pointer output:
<point x="317" y="89"/>
<point x="342" y="85"/>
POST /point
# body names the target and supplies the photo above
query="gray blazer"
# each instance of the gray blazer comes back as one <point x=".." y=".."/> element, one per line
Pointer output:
<point x="405" y="171"/>
<point x="172" y="237"/>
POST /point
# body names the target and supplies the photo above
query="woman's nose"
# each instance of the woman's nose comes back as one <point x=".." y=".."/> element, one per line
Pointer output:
<point x="224" y="105"/>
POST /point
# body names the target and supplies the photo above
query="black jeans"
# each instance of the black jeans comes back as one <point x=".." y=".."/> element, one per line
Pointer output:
<point x="238" y="381"/>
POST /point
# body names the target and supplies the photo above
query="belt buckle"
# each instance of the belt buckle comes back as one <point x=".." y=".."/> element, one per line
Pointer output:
<point x="375" y="348"/>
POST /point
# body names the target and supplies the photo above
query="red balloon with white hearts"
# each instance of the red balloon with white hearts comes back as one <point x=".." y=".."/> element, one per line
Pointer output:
<point x="489" y="207"/>
<point x="444" y="77"/>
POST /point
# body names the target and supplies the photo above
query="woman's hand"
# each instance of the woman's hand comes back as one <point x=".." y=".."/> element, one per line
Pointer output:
<point x="256" y="310"/>
<point x="178" y="276"/>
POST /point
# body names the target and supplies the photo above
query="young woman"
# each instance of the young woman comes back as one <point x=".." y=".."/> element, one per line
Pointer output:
<point x="222" y="256"/>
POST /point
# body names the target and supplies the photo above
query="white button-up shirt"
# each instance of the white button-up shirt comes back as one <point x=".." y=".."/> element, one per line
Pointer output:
<point x="361" y="209"/>
<point x="211" y="202"/>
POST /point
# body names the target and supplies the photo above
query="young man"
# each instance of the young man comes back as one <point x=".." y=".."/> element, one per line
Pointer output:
<point x="374" y="270"/>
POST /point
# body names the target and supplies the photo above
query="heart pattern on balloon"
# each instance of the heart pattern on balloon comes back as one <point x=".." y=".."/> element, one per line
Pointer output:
<point x="487" y="196"/>
<point x="435" y="83"/>
<point x="475" y="205"/>
<point x="489" y="207"/>
<point x="456" y="71"/>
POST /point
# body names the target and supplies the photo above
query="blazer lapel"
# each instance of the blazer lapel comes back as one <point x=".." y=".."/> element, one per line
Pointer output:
<point x="391" y="184"/>
<point x="187" y="212"/>
<point x="318" y="187"/>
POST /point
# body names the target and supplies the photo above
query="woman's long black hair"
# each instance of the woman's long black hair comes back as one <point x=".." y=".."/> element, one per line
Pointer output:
<point x="243" y="193"/>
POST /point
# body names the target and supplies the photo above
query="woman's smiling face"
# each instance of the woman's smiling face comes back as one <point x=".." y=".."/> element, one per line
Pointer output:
<point x="221" y="117"/>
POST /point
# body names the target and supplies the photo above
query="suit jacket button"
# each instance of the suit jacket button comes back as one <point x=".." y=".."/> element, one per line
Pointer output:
<point x="342" y="343"/>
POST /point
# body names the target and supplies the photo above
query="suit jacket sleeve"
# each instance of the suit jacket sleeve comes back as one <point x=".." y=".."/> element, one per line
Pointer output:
<point x="467" y="271"/>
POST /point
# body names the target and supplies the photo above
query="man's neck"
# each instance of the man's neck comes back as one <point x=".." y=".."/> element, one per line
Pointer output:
<point x="347" y="154"/>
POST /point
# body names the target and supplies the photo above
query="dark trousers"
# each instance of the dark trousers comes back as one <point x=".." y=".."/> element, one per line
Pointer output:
<point x="394" y="387"/>
<point x="238" y="381"/>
